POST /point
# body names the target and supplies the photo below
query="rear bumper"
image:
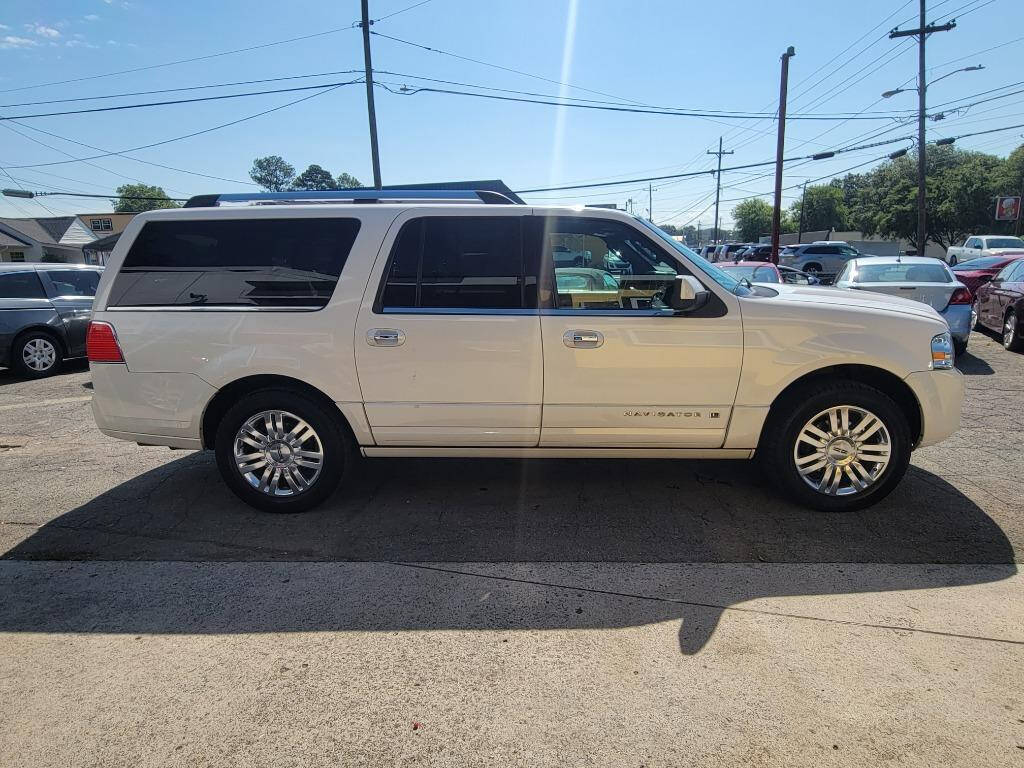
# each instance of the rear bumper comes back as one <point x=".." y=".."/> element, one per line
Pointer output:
<point x="152" y="408"/>
<point x="940" y="395"/>
<point x="958" y="317"/>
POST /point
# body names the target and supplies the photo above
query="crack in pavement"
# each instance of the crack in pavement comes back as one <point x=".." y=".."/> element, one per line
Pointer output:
<point x="711" y="606"/>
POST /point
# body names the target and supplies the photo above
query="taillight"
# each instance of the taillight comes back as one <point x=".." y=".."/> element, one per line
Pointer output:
<point x="961" y="296"/>
<point x="101" y="344"/>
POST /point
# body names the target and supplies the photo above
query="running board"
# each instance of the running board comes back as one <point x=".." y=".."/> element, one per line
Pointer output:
<point x="560" y="453"/>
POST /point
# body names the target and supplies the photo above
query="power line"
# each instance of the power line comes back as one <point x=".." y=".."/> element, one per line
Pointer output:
<point x="554" y="102"/>
<point x="182" y="101"/>
<point x="188" y="135"/>
<point x="178" y="61"/>
<point x="395" y="13"/>
<point x="177" y="90"/>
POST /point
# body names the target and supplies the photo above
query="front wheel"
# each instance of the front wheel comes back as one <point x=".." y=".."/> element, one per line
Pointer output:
<point x="836" y="447"/>
<point x="281" y="451"/>
<point x="959" y="346"/>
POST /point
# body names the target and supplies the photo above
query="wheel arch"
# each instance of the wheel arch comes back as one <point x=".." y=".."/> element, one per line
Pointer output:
<point x="231" y="392"/>
<point x="49" y="330"/>
<point x="879" y="378"/>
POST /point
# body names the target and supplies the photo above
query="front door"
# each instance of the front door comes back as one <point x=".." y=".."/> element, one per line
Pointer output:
<point x="448" y="346"/>
<point x="620" y="369"/>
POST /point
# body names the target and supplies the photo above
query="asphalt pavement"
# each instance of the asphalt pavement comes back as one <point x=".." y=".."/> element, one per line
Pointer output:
<point x="483" y="612"/>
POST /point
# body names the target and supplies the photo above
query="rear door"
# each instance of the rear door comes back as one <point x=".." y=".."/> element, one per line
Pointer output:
<point x="71" y="292"/>
<point x="623" y="370"/>
<point x="448" y="344"/>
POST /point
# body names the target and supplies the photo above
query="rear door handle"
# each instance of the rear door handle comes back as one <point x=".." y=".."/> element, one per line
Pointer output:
<point x="583" y="339"/>
<point x="385" y="337"/>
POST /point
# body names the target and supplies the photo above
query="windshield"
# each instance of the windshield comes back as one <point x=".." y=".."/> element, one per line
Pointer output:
<point x="1005" y="242"/>
<point x="717" y="274"/>
<point x="902" y="273"/>
<point x="985" y="262"/>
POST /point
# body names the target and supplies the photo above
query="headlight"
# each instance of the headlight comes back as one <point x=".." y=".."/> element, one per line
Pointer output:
<point x="942" y="351"/>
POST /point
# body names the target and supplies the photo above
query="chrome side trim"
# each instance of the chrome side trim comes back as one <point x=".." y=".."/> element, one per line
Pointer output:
<point x="179" y="308"/>
<point x="452" y="311"/>
<point x="559" y="453"/>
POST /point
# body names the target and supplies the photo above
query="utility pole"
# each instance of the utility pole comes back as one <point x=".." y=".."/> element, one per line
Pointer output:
<point x="800" y="229"/>
<point x="780" y="148"/>
<point x="924" y="29"/>
<point x="698" y="233"/>
<point x="372" y="112"/>
<point x="718" y="182"/>
<point x="650" y="203"/>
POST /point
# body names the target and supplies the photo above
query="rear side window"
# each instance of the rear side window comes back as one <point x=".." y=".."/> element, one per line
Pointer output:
<point x="74" y="282"/>
<point x="467" y="262"/>
<point x="273" y="263"/>
<point x="21" y="285"/>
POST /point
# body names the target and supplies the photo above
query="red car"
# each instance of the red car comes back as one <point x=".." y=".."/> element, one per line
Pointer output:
<point x="976" y="272"/>
<point x="999" y="305"/>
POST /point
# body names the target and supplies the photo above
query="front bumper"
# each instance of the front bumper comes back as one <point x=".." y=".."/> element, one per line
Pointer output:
<point x="958" y="317"/>
<point x="940" y="395"/>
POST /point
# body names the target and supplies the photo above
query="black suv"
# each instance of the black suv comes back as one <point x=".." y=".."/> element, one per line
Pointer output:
<point x="44" y="314"/>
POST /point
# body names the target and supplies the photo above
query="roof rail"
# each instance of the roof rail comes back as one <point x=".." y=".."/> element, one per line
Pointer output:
<point x="481" y="196"/>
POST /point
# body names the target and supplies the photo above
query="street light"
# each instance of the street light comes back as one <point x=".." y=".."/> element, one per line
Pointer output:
<point x="922" y="89"/>
<point x="890" y="94"/>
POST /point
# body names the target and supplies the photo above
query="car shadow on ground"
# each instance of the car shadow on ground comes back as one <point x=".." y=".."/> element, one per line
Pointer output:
<point x="613" y="530"/>
<point x="78" y="365"/>
<point x="969" y="365"/>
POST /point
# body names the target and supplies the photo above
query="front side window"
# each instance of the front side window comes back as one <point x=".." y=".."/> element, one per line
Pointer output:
<point x="972" y="242"/>
<point x="74" y="282"/>
<point x="604" y="264"/>
<point x="268" y="263"/>
<point x="459" y="262"/>
<point x="21" y="285"/>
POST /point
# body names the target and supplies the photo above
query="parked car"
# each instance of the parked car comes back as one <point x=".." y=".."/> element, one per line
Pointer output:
<point x="725" y="251"/>
<point x="756" y="252"/>
<point x="752" y="271"/>
<point x="44" y="314"/>
<point x="976" y="272"/>
<point x="796" y="277"/>
<point x="976" y="246"/>
<point x="291" y="338"/>
<point x="706" y="251"/>
<point x="999" y="305"/>
<point x="823" y="259"/>
<point x="920" y="278"/>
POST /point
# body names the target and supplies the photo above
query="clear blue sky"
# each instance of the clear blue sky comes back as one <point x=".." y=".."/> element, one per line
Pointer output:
<point x="714" y="56"/>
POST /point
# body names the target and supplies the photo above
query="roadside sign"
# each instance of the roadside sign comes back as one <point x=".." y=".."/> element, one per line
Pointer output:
<point x="1007" y="208"/>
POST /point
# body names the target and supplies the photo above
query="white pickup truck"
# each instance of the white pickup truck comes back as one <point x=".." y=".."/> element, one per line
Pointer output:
<point x="976" y="246"/>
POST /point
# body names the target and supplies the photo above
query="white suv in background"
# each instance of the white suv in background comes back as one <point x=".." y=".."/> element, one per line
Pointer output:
<point x="290" y="339"/>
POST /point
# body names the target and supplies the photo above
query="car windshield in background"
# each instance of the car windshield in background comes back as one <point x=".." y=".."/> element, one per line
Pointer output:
<point x="717" y="274"/>
<point x="1005" y="242"/>
<point x="984" y="262"/>
<point x="753" y="274"/>
<point x="902" y="273"/>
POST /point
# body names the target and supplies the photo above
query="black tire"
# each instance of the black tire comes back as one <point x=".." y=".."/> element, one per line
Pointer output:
<point x="787" y="419"/>
<point x="959" y="347"/>
<point x="334" y="442"/>
<point x="1012" y="331"/>
<point x="28" y="370"/>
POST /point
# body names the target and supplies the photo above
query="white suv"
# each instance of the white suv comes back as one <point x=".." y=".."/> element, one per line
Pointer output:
<point x="290" y="339"/>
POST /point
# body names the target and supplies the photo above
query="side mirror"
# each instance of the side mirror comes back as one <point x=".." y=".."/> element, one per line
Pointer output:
<point x="687" y="294"/>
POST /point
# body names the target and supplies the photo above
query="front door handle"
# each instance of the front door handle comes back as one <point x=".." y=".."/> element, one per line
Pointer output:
<point x="582" y="339"/>
<point x="385" y="337"/>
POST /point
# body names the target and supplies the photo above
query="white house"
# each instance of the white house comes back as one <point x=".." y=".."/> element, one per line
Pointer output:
<point x="57" y="238"/>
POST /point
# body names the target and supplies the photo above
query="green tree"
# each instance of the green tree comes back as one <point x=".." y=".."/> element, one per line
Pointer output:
<point x="824" y="207"/>
<point x="130" y="198"/>
<point x="752" y="218"/>
<point x="272" y="173"/>
<point x="347" y="181"/>
<point x="314" y="178"/>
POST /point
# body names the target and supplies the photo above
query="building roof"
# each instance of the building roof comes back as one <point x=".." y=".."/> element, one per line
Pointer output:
<point x="34" y="229"/>
<point x="56" y="226"/>
<point x="103" y="244"/>
<point x="8" y="241"/>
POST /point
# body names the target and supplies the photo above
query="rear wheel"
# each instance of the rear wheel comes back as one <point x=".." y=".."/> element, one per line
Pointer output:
<point x="959" y="346"/>
<point x="36" y="354"/>
<point x="1011" y="333"/>
<point x="281" y="451"/>
<point x="976" y="315"/>
<point x="836" y="447"/>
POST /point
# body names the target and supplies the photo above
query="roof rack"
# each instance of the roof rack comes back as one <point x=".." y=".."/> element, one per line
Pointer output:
<point x="480" y="196"/>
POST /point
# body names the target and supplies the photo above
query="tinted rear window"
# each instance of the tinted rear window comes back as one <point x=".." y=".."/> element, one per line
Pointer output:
<point x="902" y="273"/>
<point x="467" y="262"/>
<point x="21" y="285"/>
<point x="241" y="262"/>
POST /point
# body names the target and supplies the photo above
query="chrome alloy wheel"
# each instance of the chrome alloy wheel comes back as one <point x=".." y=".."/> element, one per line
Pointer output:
<point x="842" y="451"/>
<point x="39" y="355"/>
<point x="278" y="453"/>
<point x="1009" y="329"/>
<point x="975" y="313"/>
